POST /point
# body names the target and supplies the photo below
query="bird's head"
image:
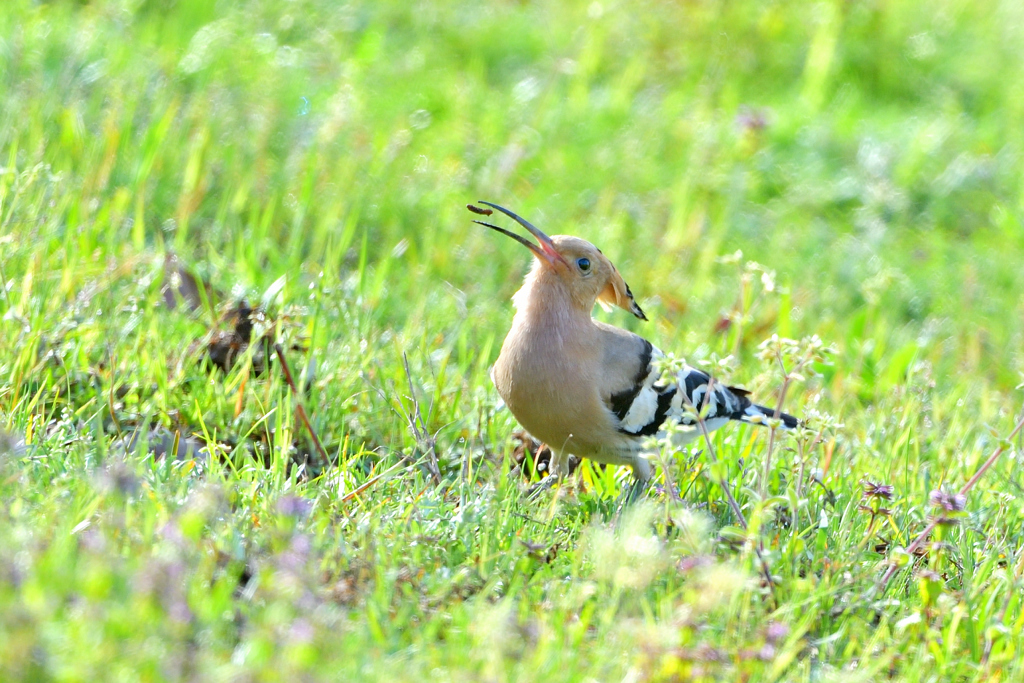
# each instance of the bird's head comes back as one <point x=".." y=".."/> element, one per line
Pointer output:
<point x="585" y="272"/>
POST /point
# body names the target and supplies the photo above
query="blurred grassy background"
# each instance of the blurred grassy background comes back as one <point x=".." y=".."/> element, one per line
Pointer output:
<point x="867" y="153"/>
<point x="849" y="147"/>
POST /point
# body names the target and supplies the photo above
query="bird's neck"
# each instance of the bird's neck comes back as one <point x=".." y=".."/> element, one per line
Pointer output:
<point x="547" y="310"/>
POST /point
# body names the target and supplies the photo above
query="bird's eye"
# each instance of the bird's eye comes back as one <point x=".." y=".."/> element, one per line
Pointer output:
<point x="583" y="263"/>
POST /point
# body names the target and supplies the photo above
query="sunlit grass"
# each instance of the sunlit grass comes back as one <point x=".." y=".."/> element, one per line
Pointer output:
<point x="315" y="159"/>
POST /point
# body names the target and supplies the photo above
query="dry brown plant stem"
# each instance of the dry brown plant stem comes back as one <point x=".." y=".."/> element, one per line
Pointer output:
<point x="736" y="510"/>
<point x="300" y="409"/>
<point x="787" y="379"/>
<point x="418" y="427"/>
<point x="964" y="490"/>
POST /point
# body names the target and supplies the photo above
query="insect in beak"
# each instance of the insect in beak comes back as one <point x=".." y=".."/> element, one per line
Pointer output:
<point x="545" y="250"/>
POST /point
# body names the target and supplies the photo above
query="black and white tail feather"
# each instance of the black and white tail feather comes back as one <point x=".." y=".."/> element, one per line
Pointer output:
<point x="656" y="399"/>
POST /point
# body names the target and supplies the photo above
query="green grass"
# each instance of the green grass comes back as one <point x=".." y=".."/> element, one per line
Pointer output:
<point x="316" y="158"/>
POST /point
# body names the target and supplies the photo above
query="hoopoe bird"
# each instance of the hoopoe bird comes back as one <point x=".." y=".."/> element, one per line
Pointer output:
<point x="589" y="389"/>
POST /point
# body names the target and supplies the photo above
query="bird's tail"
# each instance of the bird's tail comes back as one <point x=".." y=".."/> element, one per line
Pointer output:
<point x="732" y="403"/>
<point x="756" y="414"/>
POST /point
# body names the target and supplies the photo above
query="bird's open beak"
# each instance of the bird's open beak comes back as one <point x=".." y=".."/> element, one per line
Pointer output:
<point x="545" y="251"/>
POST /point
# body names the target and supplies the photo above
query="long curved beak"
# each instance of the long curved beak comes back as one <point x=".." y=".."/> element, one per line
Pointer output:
<point x="545" y="250"/>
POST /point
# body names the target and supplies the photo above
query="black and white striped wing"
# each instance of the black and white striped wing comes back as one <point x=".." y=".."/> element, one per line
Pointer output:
<point x="654" y="399"/>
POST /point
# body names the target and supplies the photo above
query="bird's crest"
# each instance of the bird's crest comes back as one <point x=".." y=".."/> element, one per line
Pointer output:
<point x="617" y="293"/>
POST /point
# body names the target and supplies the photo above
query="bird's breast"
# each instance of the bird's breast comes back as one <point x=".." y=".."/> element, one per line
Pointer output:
<point x="551" y="389"/>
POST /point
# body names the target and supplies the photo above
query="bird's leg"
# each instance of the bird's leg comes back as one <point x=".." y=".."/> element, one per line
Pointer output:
<point x="558" y="467"/>
<point x="641" y="478"/>
<point x="634" y="492"/>
<point x="560" y="464"/>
